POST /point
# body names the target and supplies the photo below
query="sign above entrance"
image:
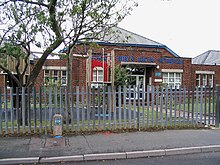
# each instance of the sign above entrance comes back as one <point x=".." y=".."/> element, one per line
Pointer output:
<point x="158" y="74"/>
<point x="150" y="60"/>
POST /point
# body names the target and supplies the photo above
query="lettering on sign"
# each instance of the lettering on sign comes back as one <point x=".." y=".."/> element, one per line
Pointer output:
<point x="158" y="74"/>
<point x="150" y="60"/>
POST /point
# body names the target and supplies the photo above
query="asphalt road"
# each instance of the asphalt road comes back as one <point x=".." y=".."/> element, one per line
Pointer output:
<point x="195" y="159"/>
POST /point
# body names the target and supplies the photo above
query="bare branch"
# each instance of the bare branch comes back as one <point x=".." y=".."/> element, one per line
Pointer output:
<point x="26" y="1"/>
<point x="11" y="75"/>
<point x="54" y="23"/>
<point x="5" y="3"/>
<point x="37" y="68"/>
<point x="26" y="66"/>
<point x="12" y="27"/>
<point x="17" y="66"/>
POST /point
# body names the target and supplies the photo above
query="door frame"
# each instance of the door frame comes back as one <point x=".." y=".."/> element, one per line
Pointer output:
<point x="136" y="88"/>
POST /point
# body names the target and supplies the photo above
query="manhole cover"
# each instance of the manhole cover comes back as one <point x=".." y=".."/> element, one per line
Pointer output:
<point x="55" y="142"/>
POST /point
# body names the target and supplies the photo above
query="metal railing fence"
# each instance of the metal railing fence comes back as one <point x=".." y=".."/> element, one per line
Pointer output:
<point x="31" y="110"/>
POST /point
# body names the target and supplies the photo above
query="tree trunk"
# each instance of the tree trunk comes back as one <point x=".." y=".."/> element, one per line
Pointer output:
<point x="21" y="102"/>
<point x="69" y="85"/>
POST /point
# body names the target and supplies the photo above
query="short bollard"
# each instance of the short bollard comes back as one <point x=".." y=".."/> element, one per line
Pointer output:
<point x="58" y="122"/>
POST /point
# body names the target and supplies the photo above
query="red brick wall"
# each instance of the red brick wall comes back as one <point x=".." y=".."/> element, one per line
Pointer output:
<point x="2" y="78"/>
<point x="188" y="75"/>
<point x="79" y="72"/>
<point x="79" y="64"/>
<point x="214" y="68"/>
<point x="187" y="72"/>
<point x="49" y="62"/>
<point x="152" y="55"/>
<point x="78" y="67"/>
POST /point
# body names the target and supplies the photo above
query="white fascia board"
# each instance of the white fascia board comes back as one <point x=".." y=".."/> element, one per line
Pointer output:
<point x="204" y="72"/>
<point x="158" y="80"/>
<point x="172" y="70"/>
<point x="54" y="68"/>
<point x="2" y="72"/>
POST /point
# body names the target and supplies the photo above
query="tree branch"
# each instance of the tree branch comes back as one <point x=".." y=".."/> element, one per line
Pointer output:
<point x="26" y="66"/>
<point x="54" y="23"/>
<point x="37" y="68"/>
<point x="30" y="2"/>
<point x="5" y="3"/>
<point x="11" y="75"/>
<point x="12" y="27"/>
<point x="17" y="66"/>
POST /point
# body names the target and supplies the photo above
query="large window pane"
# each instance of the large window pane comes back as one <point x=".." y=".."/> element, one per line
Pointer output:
<point x="178" y="80"/>
<point x="204" y="80"/>
<point x="94" y="77"/>
<point x="98" y="74"/>
<point x="165" y="80"/>
<point x="165" y="75"/>
<point x="46" y="73"/>
<point x="177" y="75"/>
<point x="171" y="75"/>
<point x="198" y="80"/>
<point x="64" y="78"/>
<point x="58" y="77"/>
<point x="46" y="76"/>
<point x="172" y="79"/>
<point x="211" y="80"/>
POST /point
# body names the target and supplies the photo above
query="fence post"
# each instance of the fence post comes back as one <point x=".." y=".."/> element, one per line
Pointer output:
<point x="139" y="104"/>
<point x="217" y="113"/>
<point x="23" y="109"/>
<point x="0" y="110"/>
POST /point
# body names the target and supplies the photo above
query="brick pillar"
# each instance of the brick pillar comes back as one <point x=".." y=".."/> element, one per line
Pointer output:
<point x="188" y="77"/>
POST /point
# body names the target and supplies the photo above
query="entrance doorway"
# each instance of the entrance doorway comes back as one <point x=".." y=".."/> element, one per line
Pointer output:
<point x="137" y="80"/>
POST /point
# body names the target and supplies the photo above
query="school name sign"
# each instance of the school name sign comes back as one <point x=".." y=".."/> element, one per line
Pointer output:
<point x="150" y="60"/>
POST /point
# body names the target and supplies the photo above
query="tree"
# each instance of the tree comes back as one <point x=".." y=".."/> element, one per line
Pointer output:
<point x="50" y="24"/>
<point x="121" y="76"/>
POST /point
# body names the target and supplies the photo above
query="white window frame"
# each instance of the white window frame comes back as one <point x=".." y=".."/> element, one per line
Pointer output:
<point x="46" y="76"/>
<point x="204" y="80"/>
<point x="198" y="79"/>
<point x="59" y="75"/>
<point x="55" y="76"/>
<point x="141" y="88"/>
<point x="173" y="83"/>
<point x="63" y="77"/>
<point x="97" y="74"/>
<point x="212" y="80"/>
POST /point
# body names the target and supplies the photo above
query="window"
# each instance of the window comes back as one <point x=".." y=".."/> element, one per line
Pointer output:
<point x="46" y="76"/>
<point x="55" y="76"/>
<point x="198" y="80"/>
<point x="136" y="80"/>
<point x="172" y="79"/>
<point x="207" y="79"/>
<point x="98" y="74"/>
<point x="52" y="76"/>
<point x="63" y="77"/>
<point x="204" y="80"/>
<point x="210" y="80"/>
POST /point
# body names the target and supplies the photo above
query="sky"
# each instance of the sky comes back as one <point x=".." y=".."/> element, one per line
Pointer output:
<point x="188" y="27"/>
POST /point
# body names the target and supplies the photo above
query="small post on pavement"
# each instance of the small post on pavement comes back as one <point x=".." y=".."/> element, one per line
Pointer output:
<point x="217" y="113"/>
<point x="57" y="128"/>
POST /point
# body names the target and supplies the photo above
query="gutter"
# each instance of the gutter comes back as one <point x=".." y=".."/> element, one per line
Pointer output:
<point x="137" y="45"/>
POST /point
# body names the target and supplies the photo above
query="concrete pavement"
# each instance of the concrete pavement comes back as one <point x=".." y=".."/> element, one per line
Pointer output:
<point x="107" y="145"/>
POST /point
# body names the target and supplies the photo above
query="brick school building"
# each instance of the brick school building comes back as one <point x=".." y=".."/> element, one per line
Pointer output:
<point x="148" y="63"/>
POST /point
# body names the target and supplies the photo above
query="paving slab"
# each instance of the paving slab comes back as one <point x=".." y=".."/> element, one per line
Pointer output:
<point x="46" y="146"/>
